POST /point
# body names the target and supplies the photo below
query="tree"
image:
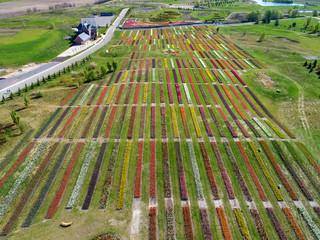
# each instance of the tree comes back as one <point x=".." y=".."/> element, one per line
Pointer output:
<point x="26" y="88"/>
<point x="11" y="96"/>
<point x="44" y="80"/>
<point x="218" y="29"/>
<point x="19" y="92"/>
<point x="32" y="85"/>
<point x="103" y="70"/>
<point x="315" y="13"/>
<point x="49" y="77"/>
<point x="3" y="99"/>
<point x="253" y="16"/>
<point x="315" y="63"/>
<point x="38" y="82"/>
<point x="114" y="66"/>
<point x="109" y="66"/>
<point x="26" y="101"/>
<point x="294" y="24"/>
<point x="307" y="22"/>
<point x="276" y="23"/>
<point x="15" y="118"/>
<point x="305" y="64"/>
<point x="262" y="37"/>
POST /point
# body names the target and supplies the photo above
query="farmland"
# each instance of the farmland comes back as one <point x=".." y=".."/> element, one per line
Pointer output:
<point x="169" y="146"/>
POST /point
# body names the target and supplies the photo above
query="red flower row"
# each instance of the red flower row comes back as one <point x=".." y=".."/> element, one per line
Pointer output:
<point x="185" y="124"/>
<point x="68" y="97"/>
<point x="161" y="93"/>
<point x="195" y="94"/>
<point x="111" y="118"/>
<point x="163" y="122"/>
<point x="216" y="122"/>
<point x="153" y="93"/>
<point x="223" y="171"/>
<point x="136" y="96"/>
<point x="259" y="224"/>
<point x="170" y="93"/>
<point x="224" y="224"/>
<point x="252" y="172"/>
<point x="119" y="94"/>
<point x="64" y="182"/>
<point x="66" y="126"/>
<point x="142" y="121"/>
<point x="211" y="178"/>
<point x="182" y="178"/>
<point x="170" y="223"/>
<point x="87" y="128"/>
<point x="153" y="223"/>
<point x="293" y="223"/>
<point x="187" y="223"/>
<point x="132" y="120"/>
<point x="153" y="176"/>
<point x="137" y="185"/>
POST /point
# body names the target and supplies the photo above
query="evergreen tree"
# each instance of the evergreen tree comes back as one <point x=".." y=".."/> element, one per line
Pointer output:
<point x="305" y="64"/>
<point x="114" y="66"/>
<point x="262" y="37"/>
<point x="3" y="100"/>
<point x="32" y="86"/>
<point x="15" y="118"/>
<point x="19" y="92"/>
<point x="38" y="82"/>
<point x="26" y="101"/>
<point x="26" y="88"/>
<point x="11" y="95"/>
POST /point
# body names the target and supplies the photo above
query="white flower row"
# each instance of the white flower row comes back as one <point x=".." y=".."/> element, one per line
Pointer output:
<point x="195" y="170"/>
<point x="187" y="93"/>
<point x="81" y="176"/>
<point x="310" y="222"/>
<point x="224" y="77"/>
<point x="16" y="185"/>
<point x="266" y="131"/>
<point x="202" y="63"/>
<point x="85" y="95"/>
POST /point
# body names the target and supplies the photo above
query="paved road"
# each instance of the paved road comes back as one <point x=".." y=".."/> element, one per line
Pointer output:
<point x="14" y="87"/>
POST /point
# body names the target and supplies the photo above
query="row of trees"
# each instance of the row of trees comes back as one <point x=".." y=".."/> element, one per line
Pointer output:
<point x="268" y="15"/>
<point x="91" y="73"/>
<point x="312" y="66"/>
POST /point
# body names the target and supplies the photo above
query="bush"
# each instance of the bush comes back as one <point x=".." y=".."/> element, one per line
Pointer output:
<point x="39" y="95"/>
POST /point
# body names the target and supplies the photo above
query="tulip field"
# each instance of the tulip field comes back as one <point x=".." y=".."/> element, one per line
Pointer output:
<point x="172" y="145"/>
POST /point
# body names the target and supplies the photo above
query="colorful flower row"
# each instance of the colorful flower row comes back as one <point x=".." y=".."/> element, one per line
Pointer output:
<point x="204" y="95"/>
<point x="223" y="171"/>
<point x="94" y="177"/>
<point x="102" y="95"/>
<point x="174" y="122"/>
<point x="57" y="123"/>
<point x="295" y="227"/>
<point x="153" y="223"/>
<point x="224" y="223"/>
<point x="195" y="94"/>
<point x="170" y="223"/>
<point x="67" y="124"/>
<point x="62" y="187"/>
<point x="153" y="95"/>
<point x="206" y="227"/>
<point x="178" y="93"/>
<point x="129" y="89"/>
<point x="45" y="189"/>
<point x="77" y="125"/>
<point x="276" y="130"/>
<point x="119" y="94"/>
<point x="161" y="93"/>
<point x="237" y="172"/>
<point x="87" y="127"/>
<point x="124" y="173"/>
<point x="266" y="172"/>
<point x="205" y="121"/>
<point x="137" y="182"/>
<point x="166" y="170"/>
<point x="195" y="122"/>
<point x="242" y="224"/>
<point x="81" y="176"/>
<point x="211" y="178"/>
<point x="170" y="93"/>
<point x="195" y="171"/>
<point x="28" y="192"/>
<point x="145" y="93"/>
<point x="110" y="122"/>
<point x="121" y="121"/>
<point x="276" y="166"/>
<point x="308" y="155"/>
<point x="294" y="174"/>
<point x="276" y="223"/>
<point x="315" y="230"/>
<point x="185" y="123"/>
<point x="16" y="164"/>
<point x="153" y="122"/>
<point x="259" y="224"/>
<point x="153" y="177"/>
<point x="95" y="93"/>
<point x="187" y="222"/>
<point x="136" y="96"/>
<point x="216" y="122"/>
<point x="68" y="97"/>
<point x="132" y="120"/>
<point x="252" y="172"/>
<point x="264" y="129"/>
<point x="109" y="176"/>
<point x="142" y="121"/>
<point x="181" y="175"/>
<point x="163" y="122"/>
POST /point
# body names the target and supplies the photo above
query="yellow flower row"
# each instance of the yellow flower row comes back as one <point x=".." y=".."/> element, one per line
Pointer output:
<point x="145" y="93"/>
<point x="276" y="130"/>
<point x="124" y="174"/>
<point x="266" y="172"/>
<point x="195" y="122"/>
<point x="76" y="127"/>
<point x="111" y="94"/>
<point x="174" y="122"/>
<point x="125" y="76"/>
<point x="242" y="224"/>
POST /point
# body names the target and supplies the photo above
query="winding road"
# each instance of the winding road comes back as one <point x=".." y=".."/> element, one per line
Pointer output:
<point x="48" y="69"/>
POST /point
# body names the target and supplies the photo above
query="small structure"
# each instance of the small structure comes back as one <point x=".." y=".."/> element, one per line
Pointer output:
<point x="103" y="20"/>
<point x="82" y="38"/>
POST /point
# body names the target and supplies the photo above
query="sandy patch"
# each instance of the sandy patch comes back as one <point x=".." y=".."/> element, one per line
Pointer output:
<point x="287" y="40"/>
<point x="24" y="69"/>
<point x="264" y="80"/>
<point x="189" y="17"/>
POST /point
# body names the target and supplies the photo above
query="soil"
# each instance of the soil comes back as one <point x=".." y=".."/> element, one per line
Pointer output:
<point x="189" y="17"/>
<point x="287" y="40"/>
<point x="146" y="10"/>
<point x="204" y="14"/>
<point x="17" y="8"/>
<point x="264" y="80"/>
